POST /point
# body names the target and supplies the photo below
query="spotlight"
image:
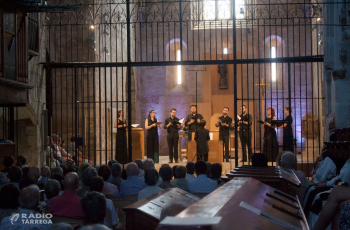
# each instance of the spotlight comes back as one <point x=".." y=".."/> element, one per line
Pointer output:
<point x="319" y="19"/>
<point x="92" y="27"/>
<point x="320" y="33"/>
<point x="320" y="43"/>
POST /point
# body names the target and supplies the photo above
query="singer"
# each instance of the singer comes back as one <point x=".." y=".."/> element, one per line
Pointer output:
<point x="121" y="145"/>
<point x="224" y="122"/>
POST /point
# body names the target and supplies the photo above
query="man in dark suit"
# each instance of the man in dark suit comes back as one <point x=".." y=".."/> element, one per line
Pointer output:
<point x="224" y="122"/>
<point x="202" y="137"/>
<point x="192" y="121"/>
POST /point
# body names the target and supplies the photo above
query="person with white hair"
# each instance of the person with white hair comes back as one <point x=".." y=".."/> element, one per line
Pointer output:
<point x="289" y="162"/>
<point x="133" y="184"/>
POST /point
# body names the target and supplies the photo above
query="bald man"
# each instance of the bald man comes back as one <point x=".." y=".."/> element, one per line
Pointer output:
<point x="134" y="184"/>
<point x="68" y="204"/>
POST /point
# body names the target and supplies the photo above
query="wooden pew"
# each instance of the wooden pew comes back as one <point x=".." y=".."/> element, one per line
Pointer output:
<point x="145" y="213"/>
<point x="225" y="202"/>
<point x="275" y="177"/>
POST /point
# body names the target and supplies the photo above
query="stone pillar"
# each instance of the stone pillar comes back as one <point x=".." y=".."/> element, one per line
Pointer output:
<point x="336" y="65"/>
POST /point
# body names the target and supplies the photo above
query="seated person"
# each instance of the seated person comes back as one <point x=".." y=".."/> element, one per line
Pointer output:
<point x="68" y="204"/>
<point x="85" y="179"/>
<point x="190" y="171"/>
<point x="338" y="196"/>
<point x="166" y="173"/>
<point x="52" y="189"/>
<point x="216" y="171"/>
<point x="28" y="199"/>
<point x="15" y="175"/>
<point x="140" y="166"/>
<point x="180" y="181"/>
<point x="201" y="184"/>
<point x="45" y="176"/>
<point x="94" y="208"/>
<point x="8" y="162"/>
<point x="110" y="190"/>
<point x="289" y="162"/>
<point x="151" y="179"/>
<point x="116" y="177"/>
<point x="133" y="184"/>
<point x="96" y="185"/>
<point x="9" y="195"/>
<point x="326" y="170"/>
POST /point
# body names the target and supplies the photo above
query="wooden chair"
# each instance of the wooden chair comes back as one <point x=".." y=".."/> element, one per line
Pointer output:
<point x="200" y="195"/>
<point x="71" y="221"/>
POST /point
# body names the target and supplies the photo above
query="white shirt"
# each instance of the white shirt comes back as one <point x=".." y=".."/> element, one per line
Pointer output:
<point x="59" y="154"/>
<point x="344" y="174"/>
<point x="326" y="170"/>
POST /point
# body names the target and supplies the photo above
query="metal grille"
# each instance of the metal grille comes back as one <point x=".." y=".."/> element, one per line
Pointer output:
<point x="93" y="50"/>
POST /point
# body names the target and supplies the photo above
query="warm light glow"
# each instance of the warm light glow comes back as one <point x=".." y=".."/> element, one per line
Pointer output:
<point x="318" y="19"/>
<point x="225" y="50"/>
<point x="240" y="9"/>
<point x="209" y="9"/>
<point x="273" y="65"/>
<point x="224" y="9"/>
<point x="92" y="27"/>
<point x="178" y="58"/>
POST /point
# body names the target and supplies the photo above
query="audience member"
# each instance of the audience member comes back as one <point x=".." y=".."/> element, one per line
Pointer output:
<point x="22" y="161"/>
<point x="96" y="185"/>
<point x="116" y="175"/>
<point x="85" y="179"/>
<point x="148" y="163"/>
<point x="82" y="167"/>
<point x="201" y="184"/>
<point x="28" y="200"/>
<point x="133" y="184"/>
<point x="34" y="173"/>
<point x="173" y="209"/>
<point x="25" y="171"/>
<point x="15" y="175"/>
<point x="216" y="171"/>
<point x="330" y="211"/>
<point x="57" y="174"/>
<point x="3" y="179"/>
<point x="259" y="160"/>
<point x="289" y="162"/>
<point x="326" y="170"/>
<point x="25" y="182"/>
<point x="68" y="204"/>
<point x="8" y="162"/>
<point x="52" y="189"/>
<point x="110" y="190"/>
<point x="9" y="195"/>
<point x="45" y="176"/>
<point x="111" y="162"/>
<point x="190" y="171"/>
<point x="166" y="173"/>
<point x="151" y="179"/>
<point x="180" y="181"/>
<point x="94" y="207"/>
<point x="124" y="175"/>
<point x="139" y="163"/>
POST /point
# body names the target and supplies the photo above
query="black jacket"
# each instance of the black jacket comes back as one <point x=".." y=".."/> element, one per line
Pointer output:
<point x="202" y="137"/>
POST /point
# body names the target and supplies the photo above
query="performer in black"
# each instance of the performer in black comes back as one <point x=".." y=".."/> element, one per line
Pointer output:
<point x="224" y="132"/>
<point x="192" y="121"/>
<point x="202" y="137"/>
<point x="288" y="131"/>
<point x="152" y="136"/>
<point x="270" y="138"/>
<point x="172" y="125"/>
<point x="121" y="145"/>
<point x="245" y="132"/>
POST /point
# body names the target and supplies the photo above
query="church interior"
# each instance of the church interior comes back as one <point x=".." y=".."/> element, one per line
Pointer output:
<point x="175" y="114"/>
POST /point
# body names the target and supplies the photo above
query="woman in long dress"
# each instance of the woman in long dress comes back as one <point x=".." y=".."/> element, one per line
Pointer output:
<point x="270" y="138"/>
<point x="121" y="145"/>
<point x="288" y="131"/>
<point x="152" y="136"/>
